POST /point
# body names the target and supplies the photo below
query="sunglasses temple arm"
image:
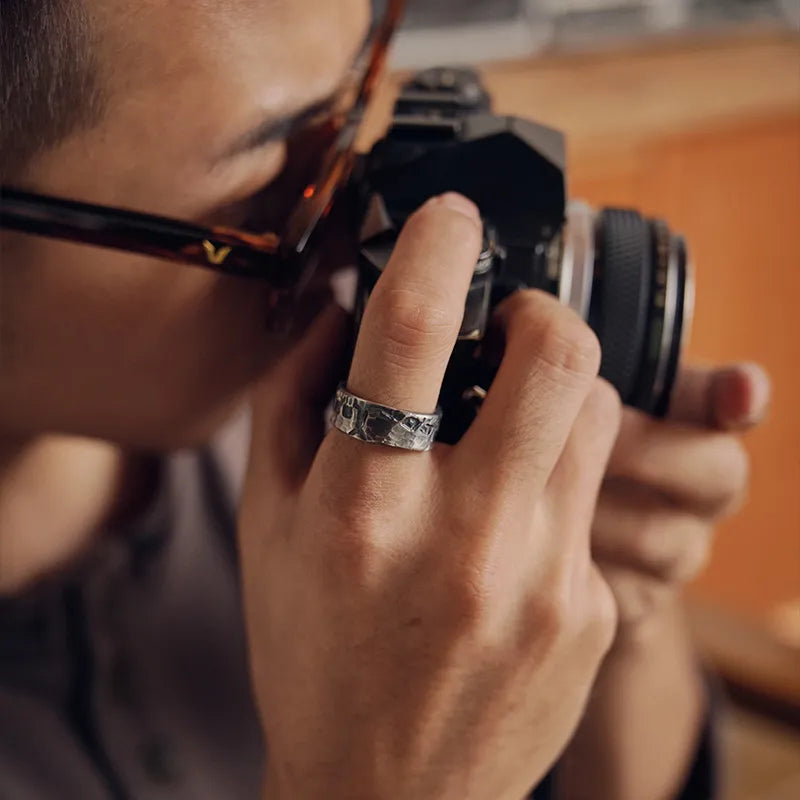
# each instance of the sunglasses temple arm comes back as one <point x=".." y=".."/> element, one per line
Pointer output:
<point x="228" y="251"/>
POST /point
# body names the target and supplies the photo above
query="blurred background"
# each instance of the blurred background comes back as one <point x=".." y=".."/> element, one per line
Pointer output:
<point x="489" y="29"/>
<point x="688" y="110"/>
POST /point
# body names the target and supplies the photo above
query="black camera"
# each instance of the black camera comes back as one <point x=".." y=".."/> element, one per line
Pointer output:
<point x="628" y="276"/>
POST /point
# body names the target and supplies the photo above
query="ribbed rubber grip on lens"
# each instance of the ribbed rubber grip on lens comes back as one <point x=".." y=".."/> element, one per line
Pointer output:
<point x="625" y="256"/>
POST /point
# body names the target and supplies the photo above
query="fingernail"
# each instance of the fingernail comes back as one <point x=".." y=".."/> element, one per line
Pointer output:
<point x="761" y="391"/>
<point x="459" y="203"/>
<point x="742" y="395"/>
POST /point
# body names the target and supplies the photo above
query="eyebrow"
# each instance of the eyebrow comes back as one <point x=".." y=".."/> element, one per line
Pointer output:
<point x="276" y="129"/>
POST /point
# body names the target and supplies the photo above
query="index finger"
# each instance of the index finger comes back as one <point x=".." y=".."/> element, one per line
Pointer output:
<point x="414" y="313"/>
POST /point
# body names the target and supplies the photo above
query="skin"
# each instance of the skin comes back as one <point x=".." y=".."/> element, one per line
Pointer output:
<point x="74" y="318"/>
<point x="117" y="347"/>
<point x="105" y="357"/>
<point x="462" y="575"/>
<point x="667" y="485"/>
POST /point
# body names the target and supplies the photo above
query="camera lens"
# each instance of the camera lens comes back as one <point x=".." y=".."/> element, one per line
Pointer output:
<point x="628" y="276"/>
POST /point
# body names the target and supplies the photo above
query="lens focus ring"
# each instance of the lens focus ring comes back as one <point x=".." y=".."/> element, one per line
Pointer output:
<point x="625" y="261"/>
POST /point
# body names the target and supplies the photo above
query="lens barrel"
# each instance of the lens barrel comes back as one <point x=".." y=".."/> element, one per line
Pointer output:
<point x="628" y="276"/>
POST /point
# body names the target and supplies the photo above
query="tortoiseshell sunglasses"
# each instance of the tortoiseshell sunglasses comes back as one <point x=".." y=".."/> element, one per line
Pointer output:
<point x="310" y="183"/>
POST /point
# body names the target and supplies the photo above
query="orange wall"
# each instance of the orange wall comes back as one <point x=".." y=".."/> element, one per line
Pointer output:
<point x="734" y="191"/>
<point x="707" y="135"/>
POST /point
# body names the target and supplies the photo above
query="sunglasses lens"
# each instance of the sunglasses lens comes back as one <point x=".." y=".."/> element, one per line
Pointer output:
<point x="307" y="151"/>
<point x="321" y="156"/>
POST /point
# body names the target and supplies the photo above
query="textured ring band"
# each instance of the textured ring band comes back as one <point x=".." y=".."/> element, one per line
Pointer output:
<point x="376" y="424"/>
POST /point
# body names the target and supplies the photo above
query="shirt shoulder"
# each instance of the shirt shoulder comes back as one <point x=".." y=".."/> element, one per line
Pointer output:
<point x="128" y="676"/>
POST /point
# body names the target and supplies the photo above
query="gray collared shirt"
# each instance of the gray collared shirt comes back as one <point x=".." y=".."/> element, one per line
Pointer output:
<point x="127" y="677"/>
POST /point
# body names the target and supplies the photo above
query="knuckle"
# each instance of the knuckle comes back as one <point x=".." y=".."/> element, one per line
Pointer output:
<point x="543" y="623"/>
<point x="349" y="543"/>
<point x="689" y="560"/>
<point x="556" y="337"/>
<point x="415" y="327"/>
<point x="601" y="417"/>
<point x="548" y="607"/>
<point x="601" y="623"/>
<point x="604" y="405"/>
<point x="637" y="600"/>
<point x="672" y="549"/>
<point x="469" y="584"/>
<point x="350" y="558"/>
<point x="555" y="617"/>
<point x="652" y="546"/>
<point x="575" y="346"/>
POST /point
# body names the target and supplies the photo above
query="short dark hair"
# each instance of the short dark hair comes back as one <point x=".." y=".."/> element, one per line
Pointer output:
<point x="49" y="81"/>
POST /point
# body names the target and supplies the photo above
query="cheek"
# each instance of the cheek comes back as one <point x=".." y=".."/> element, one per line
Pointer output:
<point x="124" y="347"/>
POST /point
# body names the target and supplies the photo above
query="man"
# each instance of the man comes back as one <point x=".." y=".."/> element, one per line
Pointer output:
<point x="442" y="624"/>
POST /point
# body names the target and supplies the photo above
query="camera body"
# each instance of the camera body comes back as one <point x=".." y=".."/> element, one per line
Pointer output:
<point x="627" y="276"/>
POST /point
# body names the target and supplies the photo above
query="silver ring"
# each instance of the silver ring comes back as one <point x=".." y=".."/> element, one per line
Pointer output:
<point x="376" y="424"/>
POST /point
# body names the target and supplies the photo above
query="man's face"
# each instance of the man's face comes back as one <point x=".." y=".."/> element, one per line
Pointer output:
<point x="145" y="352"/>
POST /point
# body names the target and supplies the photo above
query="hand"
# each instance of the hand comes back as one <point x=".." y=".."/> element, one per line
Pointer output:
<point x="427" y="625"/>
<point x="669" y="482"/>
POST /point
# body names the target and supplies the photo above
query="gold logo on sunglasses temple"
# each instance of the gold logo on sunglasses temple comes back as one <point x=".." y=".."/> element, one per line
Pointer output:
<point x="215" y="256"/>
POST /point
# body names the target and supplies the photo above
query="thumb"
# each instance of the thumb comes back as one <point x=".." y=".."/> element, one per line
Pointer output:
<point x="728" y="398"/>
<point x="289" y="403"/>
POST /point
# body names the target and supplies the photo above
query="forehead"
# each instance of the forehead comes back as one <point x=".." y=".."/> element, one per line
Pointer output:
<point x="186" y="78"/>
<point x="277" y="53"/>
<point x="217" y="67"/>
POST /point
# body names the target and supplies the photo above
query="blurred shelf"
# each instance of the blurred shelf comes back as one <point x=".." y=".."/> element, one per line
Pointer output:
<point x="475" y="31"/>
<point x="635" y="95"/>
<point x="616" y="100"/>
